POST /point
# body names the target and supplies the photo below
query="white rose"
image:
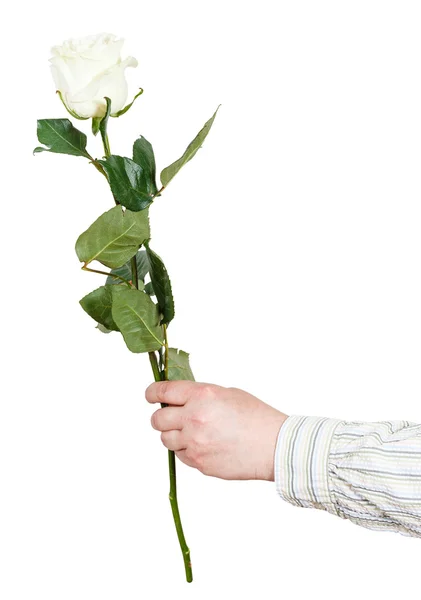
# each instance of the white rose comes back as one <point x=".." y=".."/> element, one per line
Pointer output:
<point x="87" y="70"/>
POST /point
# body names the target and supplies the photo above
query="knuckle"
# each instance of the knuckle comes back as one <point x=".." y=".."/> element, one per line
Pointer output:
<point x="198" y="440"/>
<point x="195" y="453"/>
<point x="233" y="389"/>
<point x="164" y="388"/>
<point x="199" y="417"/>
<point x="207" y="391"/>
<point x="193" y="456"/>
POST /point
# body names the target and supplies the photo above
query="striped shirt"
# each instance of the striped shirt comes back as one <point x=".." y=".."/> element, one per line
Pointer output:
<point x="369" y="473"/>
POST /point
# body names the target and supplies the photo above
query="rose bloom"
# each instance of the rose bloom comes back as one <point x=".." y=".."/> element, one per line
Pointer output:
<point x="86" y="70"/>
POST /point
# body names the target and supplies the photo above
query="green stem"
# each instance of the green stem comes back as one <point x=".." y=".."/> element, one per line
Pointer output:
<point x="105" y="141"/>
<point x="158" y="193"/>
<point x="173" y="486"/>
<point x="85" y="268"/>
<point x="154" y="365"/>
<point x="99" y="167"/>
<point x="173" y="474"/>
<point x="158" y="377"/>
<point x="135" y="277"/>
<point x="161" y="359"/>
<point x="166" y="352"/>
<point x="176" y="515"/>
<point x="103" y="128"/>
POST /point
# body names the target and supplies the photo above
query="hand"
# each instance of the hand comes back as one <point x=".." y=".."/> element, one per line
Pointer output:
<point x="223" y="432"/>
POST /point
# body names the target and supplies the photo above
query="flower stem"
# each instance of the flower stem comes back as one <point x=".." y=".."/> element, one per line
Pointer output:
<point x="135" y="276"/>
<point x="173" y="484"/>
<point x="154" y="365"/>
<point x="105" y="141"/>
<point x="99" y="167"/>
<point x="166" y="352"/>
<point x="103" y="128"/>
<point x="176" y="515"/>
<point x="158" y="376"/>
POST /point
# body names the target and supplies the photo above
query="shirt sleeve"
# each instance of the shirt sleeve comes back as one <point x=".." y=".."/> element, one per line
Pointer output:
<point x="367" y="472"/>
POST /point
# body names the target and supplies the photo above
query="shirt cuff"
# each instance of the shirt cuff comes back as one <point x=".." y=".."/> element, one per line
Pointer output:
<point x="301" y="461"/>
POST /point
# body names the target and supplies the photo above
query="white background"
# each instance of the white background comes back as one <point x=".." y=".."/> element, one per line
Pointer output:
<point x="293" y="242"/>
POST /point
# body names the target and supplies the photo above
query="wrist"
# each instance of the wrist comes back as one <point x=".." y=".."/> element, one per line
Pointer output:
<point x="272" y="439"/>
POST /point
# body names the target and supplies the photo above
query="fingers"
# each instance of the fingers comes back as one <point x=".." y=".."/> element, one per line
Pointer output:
<point x="173" y="440"/>
<point x="165" y="419"/>
<point x="181" y="454"/>
<point x="170" y="392"/>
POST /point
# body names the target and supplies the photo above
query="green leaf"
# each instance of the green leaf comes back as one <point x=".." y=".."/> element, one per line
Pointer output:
<point x="114" y="237"/>
<point x="161" y="284"/>
<point x="128" y="182"/>
<point x="149" y="289"/>
<point x="98" y="306"/>
<point x="137" y="317"/>
<point x="60" y="136"/>
<point x="126" y="108"/>
<point x="179" y="365"/>
<point x="169" y="172"/>
<point x="102" y="329"/>
<point x="143" y="155"/>
<point x="126" y="270"/>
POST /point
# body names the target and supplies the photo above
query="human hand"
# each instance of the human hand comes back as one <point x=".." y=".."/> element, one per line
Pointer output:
<point x="222" y="432"/>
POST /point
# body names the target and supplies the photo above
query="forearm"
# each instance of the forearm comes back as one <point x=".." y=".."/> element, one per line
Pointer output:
<point x="369" y="473"/>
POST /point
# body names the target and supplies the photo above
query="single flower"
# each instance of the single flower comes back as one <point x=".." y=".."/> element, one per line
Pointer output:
<point x="86" y="70"/>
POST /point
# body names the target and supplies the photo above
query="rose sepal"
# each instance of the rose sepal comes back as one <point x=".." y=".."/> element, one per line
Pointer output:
<point x="99" y="124"/>
<point x="69" y="110"/>
<point x="128" y="106"/>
